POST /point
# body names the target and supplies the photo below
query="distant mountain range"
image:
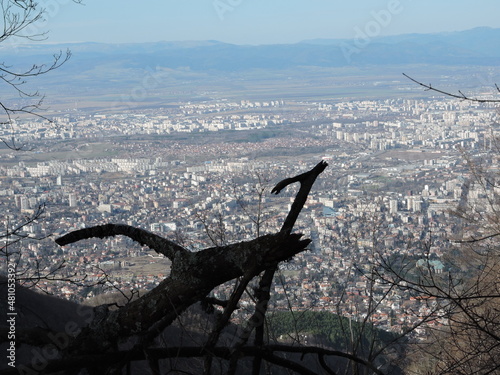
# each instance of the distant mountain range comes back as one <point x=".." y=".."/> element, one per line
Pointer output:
<point x="477" y="46"/>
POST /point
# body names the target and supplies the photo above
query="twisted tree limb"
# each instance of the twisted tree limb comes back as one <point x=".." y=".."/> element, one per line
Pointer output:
<point x="159" y="244"/>
<point x="307" y="180"/>
<point x="193" y="276"/>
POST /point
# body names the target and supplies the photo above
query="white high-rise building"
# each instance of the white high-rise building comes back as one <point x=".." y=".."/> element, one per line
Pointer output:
<point x="25" y="205"/>
<point x="393" y="206"/>
<point x="409" y="203"/>
<point x="72" y="200"/>
<point x="417" y="205"/>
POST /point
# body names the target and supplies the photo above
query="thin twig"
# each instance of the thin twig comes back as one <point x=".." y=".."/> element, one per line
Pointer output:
<point x="462" y="96"/>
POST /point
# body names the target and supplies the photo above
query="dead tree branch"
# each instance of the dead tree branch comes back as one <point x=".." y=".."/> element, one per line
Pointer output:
<point x="474" y="239"/>
<point x="263" y="293"/>
<point x="159" y="244"/>
<point x="307" y="180"/>
<point x="193" y="275"/>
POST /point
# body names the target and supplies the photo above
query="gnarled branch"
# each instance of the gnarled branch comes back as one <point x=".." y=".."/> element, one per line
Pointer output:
<point x="263" y="295"/>
<point x="157" y="243"/>
<point x="192" y="276"/>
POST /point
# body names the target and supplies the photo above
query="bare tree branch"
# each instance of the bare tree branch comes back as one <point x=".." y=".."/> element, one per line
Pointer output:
<point x="473" y="239"/>
<point x="267" y="352"/>
<point x="306" y="182"/>
<point x="19" y="19"/>
<point x="263" y="295"/>
<point x="193" y="276"/>
<point x="461" y="96"/>
<point x="159" y="244"/>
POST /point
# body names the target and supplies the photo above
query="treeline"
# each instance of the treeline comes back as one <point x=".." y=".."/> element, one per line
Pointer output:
<point x="335" y="331"/>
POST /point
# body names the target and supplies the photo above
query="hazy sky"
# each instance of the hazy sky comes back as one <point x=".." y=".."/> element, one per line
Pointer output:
<point x="259" y="21"/>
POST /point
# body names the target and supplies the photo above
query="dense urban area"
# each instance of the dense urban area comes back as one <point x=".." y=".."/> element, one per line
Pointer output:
<point x="201" y="173"/>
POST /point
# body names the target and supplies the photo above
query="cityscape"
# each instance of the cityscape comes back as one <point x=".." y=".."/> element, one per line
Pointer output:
<point x="236" y="187"/>
<point x="201" y="174"/>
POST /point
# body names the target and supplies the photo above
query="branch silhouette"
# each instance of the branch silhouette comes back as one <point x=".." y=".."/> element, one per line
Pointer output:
<point x="461" y="95"/>
<point x="193" y="275"/>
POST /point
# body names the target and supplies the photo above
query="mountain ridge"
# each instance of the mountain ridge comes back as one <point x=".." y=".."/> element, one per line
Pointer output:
<point x="470" y="47"/>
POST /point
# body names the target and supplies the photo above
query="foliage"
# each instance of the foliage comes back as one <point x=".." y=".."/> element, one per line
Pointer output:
<point x="335" y="329"/>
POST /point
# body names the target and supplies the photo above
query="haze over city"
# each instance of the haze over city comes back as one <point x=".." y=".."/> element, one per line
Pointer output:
<point x="150" y="215"/>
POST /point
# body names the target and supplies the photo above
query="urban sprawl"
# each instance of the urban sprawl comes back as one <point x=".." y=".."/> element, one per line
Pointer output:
<point x="397" y="170"/>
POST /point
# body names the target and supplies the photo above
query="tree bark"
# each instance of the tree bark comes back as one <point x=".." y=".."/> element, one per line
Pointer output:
<point x="193" y="276"/>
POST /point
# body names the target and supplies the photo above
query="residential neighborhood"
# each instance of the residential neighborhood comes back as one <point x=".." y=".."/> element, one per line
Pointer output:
<point x="397" y="170"/>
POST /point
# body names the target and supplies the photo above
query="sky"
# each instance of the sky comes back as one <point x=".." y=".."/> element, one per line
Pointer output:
<point x="258" y="21"/>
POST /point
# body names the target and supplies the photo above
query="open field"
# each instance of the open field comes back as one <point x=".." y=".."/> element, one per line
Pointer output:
<point x="409" y="155"/>
<point x="95" y="92"/>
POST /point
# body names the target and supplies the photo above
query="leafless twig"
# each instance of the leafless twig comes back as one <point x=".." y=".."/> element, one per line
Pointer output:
<point x="461" y="95"/>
